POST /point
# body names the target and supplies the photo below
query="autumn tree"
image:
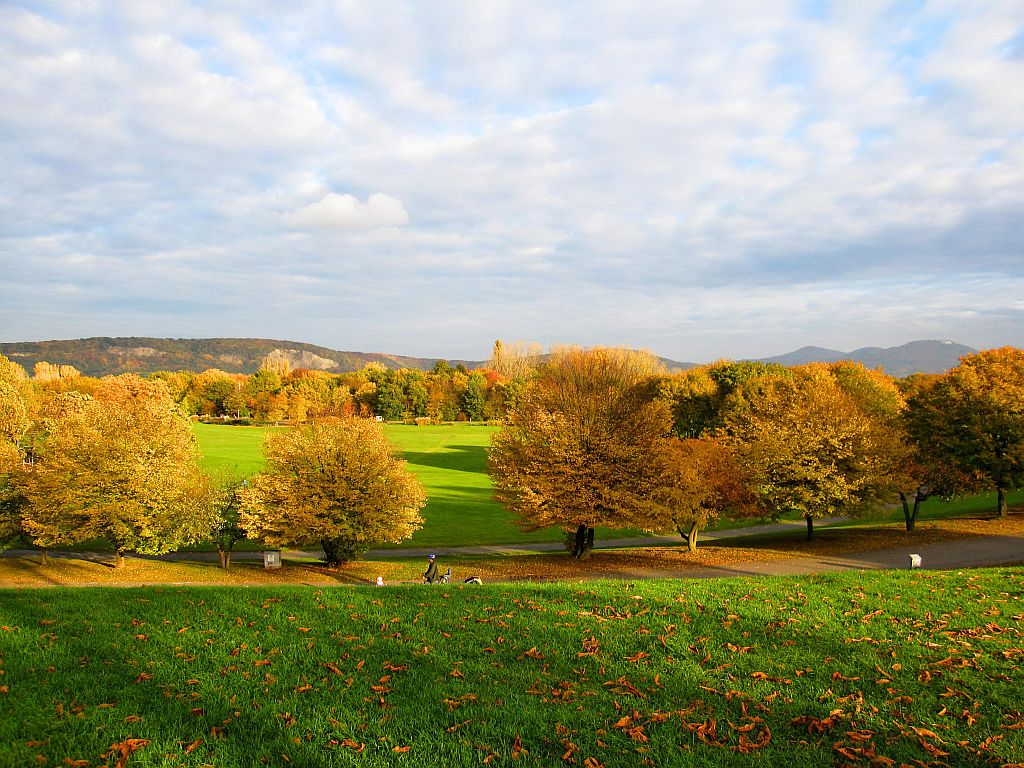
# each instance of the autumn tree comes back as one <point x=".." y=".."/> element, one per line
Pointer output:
<point x="337" y="483"/>
<point x="973" y="420"/>
<point x="701" y="481"/>
<point x="579" y="449"/>
<point x="227" y="528"/>
<point x="516" y="360"/>
<point x="123" y="466"/>
<point x="814" y="444"/>
<point x="15" y="422"/>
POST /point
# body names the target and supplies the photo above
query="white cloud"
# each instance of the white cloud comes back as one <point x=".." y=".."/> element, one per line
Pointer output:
<point x="345" y="212"/>
<point x="599" y="172"/>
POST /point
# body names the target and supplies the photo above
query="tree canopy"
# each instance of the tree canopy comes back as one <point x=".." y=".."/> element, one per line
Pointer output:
<point x="701" y="481"/>
<point x="579" y="448"/>
<point x="973" y="419"/>
<point x="819" y="441"/>
<point x="121" y="465"/>
<point x="337" y="483"/>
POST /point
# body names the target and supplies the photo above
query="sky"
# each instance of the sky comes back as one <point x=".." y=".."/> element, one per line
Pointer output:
<point x="703" y="180"/>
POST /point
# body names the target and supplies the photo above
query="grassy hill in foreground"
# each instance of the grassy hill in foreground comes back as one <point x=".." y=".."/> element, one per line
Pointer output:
<point x="871" y="669"/>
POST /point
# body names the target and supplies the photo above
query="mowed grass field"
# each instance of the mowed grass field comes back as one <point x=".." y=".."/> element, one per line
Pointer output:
<point x="450" y="460"/>
<point x="856" y="669"/>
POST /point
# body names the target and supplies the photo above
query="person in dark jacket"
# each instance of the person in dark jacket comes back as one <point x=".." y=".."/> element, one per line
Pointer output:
<point x="430" y="575"/>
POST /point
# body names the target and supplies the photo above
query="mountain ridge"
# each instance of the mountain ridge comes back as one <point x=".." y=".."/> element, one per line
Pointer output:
<point x="104" y="355"/>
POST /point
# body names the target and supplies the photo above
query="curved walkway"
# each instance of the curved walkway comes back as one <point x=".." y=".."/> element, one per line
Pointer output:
<point x="973" y="552"/>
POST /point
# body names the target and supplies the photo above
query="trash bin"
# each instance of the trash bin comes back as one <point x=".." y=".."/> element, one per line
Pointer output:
<point x="272" y="558"/>
<point x="915" y="561"/>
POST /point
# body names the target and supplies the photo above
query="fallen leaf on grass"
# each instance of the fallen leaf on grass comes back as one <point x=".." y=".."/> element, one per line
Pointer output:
<point x="466" y="698"/>
<point x="400" y="750"/>
<point x="122" y="750"/>
<point x="518" y="750"/>
<point x="623" y="686"/>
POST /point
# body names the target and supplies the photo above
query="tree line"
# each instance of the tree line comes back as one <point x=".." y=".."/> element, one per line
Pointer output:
<point x="598" y="437"/>
<point x="601" y="437"/>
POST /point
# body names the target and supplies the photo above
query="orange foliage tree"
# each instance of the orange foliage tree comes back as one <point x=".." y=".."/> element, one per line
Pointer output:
<point x="701" y="481"/>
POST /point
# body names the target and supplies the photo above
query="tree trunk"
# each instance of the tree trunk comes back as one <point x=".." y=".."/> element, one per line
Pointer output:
<point x="584" y="541"/>
<point x="43" y="559"/>
<point x="690" y="536"/>
<point x="810" y="527"/>
<point x="119" y="559"/>
<point x="225" y="556"/>
<point x="906" y="511"/>
<point x="1001" y="505"/>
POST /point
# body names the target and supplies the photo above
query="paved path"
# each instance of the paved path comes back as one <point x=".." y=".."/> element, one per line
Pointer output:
<point x="965" y="553"/>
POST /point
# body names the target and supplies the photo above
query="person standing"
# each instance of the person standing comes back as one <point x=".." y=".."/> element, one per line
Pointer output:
<point x="430" y="575"/>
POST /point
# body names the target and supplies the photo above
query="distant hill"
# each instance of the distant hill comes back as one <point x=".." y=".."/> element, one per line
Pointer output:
<point x="914" y="357"/>
<point x="100" y="356"/>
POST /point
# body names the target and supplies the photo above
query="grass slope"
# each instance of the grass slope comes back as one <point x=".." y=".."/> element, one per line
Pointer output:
<point x="862" y="669"/>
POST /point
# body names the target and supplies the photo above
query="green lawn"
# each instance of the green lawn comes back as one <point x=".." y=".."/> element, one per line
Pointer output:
<point x="853" y="669"/>
<point x="450" y="461"/>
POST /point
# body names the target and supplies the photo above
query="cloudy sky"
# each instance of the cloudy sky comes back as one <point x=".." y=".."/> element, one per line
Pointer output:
<point x="701" y="179"/>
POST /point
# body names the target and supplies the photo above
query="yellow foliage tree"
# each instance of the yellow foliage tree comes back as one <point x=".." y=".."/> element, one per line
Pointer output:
<point x="336" y="483"/>
<point x="973" y="419"/>
<point x="579" y="449"/>
<point x="820" y="441"/>
<point x="15" y="421"/>
<point x="123" y="466"/>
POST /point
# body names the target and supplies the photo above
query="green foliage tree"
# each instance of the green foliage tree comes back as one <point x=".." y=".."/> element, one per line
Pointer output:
<point x="473" y="397"/>
<point x="337" y="483"/>
<point x="697" y="397"/>
<point x="972" y="419"/>
<point x="389" y="397"/>
<point x="579" y="450"/>
<point x="227" y="529"/>
<point x="121" y="466"/>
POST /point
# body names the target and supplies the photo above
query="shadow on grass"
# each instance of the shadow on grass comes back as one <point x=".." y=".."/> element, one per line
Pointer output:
<point x="462" y="458"/>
